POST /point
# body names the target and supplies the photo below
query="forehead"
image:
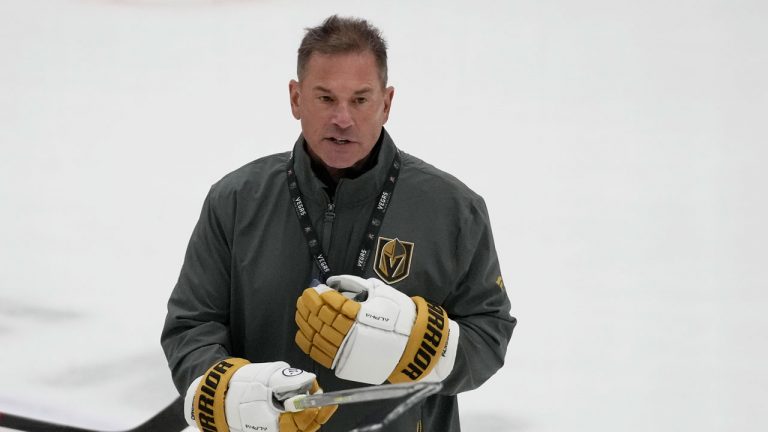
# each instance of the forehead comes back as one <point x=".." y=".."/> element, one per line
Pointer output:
<point x="340" y="71"/>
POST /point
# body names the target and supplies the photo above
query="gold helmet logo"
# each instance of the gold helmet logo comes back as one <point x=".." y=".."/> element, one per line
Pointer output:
<point x="393" y="259"/>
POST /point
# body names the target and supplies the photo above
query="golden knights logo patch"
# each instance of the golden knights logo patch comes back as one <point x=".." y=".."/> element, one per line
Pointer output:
<point x="393" y="259"/>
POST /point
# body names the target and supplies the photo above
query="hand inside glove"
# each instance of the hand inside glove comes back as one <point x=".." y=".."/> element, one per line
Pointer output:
<point x="238" y="396"/>
<point x="367" y="331"/>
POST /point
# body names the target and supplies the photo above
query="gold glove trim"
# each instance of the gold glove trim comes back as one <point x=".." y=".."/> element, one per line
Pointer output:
<point x="208" y="404"/>
<point x="425" y="345"/>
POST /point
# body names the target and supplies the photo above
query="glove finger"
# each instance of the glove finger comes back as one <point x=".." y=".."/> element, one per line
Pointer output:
<point x="287" y="424"/>
<point x="325" y="413"/>
<point x="321" y="357"/>
<point x="334" y="299"/>
<point x="324" y="318"/>
<point x="303" y="343"/>
<point x="302" y="421"/>
<point x="304" y="326"/>
<point x="305" y="418"/>
<point x="308" y="420"/>
<point x="323" y="344"/>
<point x="302" y="308"/>
<point x="311" y="300"/>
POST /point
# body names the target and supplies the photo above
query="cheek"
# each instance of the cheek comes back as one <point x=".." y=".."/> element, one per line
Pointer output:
<point x="315" y="114"/>
<point x="310" y="120"/>
<point x="375" y="120"/>
<point x="369" y="116"/>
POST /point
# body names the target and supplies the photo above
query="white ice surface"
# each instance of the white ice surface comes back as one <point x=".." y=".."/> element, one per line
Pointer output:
<point x="620" y="146"/>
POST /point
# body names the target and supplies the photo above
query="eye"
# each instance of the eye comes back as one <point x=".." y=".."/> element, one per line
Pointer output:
<point x="325" y="98"/>
<point x="360" y="100"/>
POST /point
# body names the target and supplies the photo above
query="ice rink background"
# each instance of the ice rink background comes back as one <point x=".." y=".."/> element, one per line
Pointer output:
<point x="620" y="146"/>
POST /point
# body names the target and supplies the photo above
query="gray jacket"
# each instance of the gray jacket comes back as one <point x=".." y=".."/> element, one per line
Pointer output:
<point x="248" y="261"/>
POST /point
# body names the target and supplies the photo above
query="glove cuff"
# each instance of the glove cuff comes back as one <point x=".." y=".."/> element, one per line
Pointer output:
<point x="208" y="402"/>
<point x="425" y="344"/>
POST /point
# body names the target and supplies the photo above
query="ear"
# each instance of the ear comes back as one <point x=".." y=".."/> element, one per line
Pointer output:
<point x="295" y="96"/>
<point x="389" y="93"/>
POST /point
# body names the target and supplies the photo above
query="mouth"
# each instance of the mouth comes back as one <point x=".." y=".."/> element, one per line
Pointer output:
<point x="336" y="140"/>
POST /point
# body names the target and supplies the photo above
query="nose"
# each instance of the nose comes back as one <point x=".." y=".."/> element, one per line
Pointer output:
<point x="342" y="117"/>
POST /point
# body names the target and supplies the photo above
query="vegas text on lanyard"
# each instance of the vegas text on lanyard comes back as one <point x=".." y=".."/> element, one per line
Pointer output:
<point x="372" y="230"/>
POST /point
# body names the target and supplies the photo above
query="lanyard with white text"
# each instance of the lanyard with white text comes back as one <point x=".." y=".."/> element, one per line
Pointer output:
<point x="372" y="230"/>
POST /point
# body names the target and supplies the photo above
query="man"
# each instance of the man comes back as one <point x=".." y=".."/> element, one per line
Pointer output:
<point x="404" y="282"/>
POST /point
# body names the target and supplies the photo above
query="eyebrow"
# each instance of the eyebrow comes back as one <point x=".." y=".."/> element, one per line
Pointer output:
<point x="358" y="92"/>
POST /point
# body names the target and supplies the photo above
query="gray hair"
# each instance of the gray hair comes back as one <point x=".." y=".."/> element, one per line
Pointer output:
<point x="338" y="35"/>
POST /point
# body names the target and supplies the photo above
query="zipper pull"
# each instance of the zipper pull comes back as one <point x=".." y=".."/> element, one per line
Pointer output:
<point x="329" y="212"/>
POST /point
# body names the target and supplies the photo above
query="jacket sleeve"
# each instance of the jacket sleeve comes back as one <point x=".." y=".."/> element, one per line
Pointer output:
<point x="479" y="304"/>
<point x="196" y="332"/>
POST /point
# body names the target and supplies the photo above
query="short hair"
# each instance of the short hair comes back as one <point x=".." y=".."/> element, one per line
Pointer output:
<point x="338" y="35"/>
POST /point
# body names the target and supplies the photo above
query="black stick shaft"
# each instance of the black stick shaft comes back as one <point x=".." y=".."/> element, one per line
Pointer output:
<point x="169" y="419"/>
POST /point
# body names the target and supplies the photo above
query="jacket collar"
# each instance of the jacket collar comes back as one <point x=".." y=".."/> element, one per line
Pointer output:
<point x="349" y="192"/>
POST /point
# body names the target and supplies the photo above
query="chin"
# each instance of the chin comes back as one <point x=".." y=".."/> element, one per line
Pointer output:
<point x="337" y="161"/>
<point x="336" y="164"/>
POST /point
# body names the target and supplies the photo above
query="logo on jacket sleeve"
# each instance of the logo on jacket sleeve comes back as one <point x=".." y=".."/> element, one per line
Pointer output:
<point x="393" y="259"/>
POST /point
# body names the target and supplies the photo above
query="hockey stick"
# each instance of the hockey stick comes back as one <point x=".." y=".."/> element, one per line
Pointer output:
<point x="356" y="395"/>
<point x="416" y="391"/>
<point x="169" y="419"/>
<point x="400" y="409"/>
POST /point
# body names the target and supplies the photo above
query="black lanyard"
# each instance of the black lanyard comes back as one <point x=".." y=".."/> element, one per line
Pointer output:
<point x="374" y="224"/>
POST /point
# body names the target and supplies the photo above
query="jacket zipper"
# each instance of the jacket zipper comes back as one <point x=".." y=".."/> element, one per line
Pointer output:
<point x="328" y="218"/>
<point x="330" y="215"/>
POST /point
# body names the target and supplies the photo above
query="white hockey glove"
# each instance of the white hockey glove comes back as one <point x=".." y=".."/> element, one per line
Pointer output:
<point x="238" y="396"/>
<point x="367" y="331"/>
